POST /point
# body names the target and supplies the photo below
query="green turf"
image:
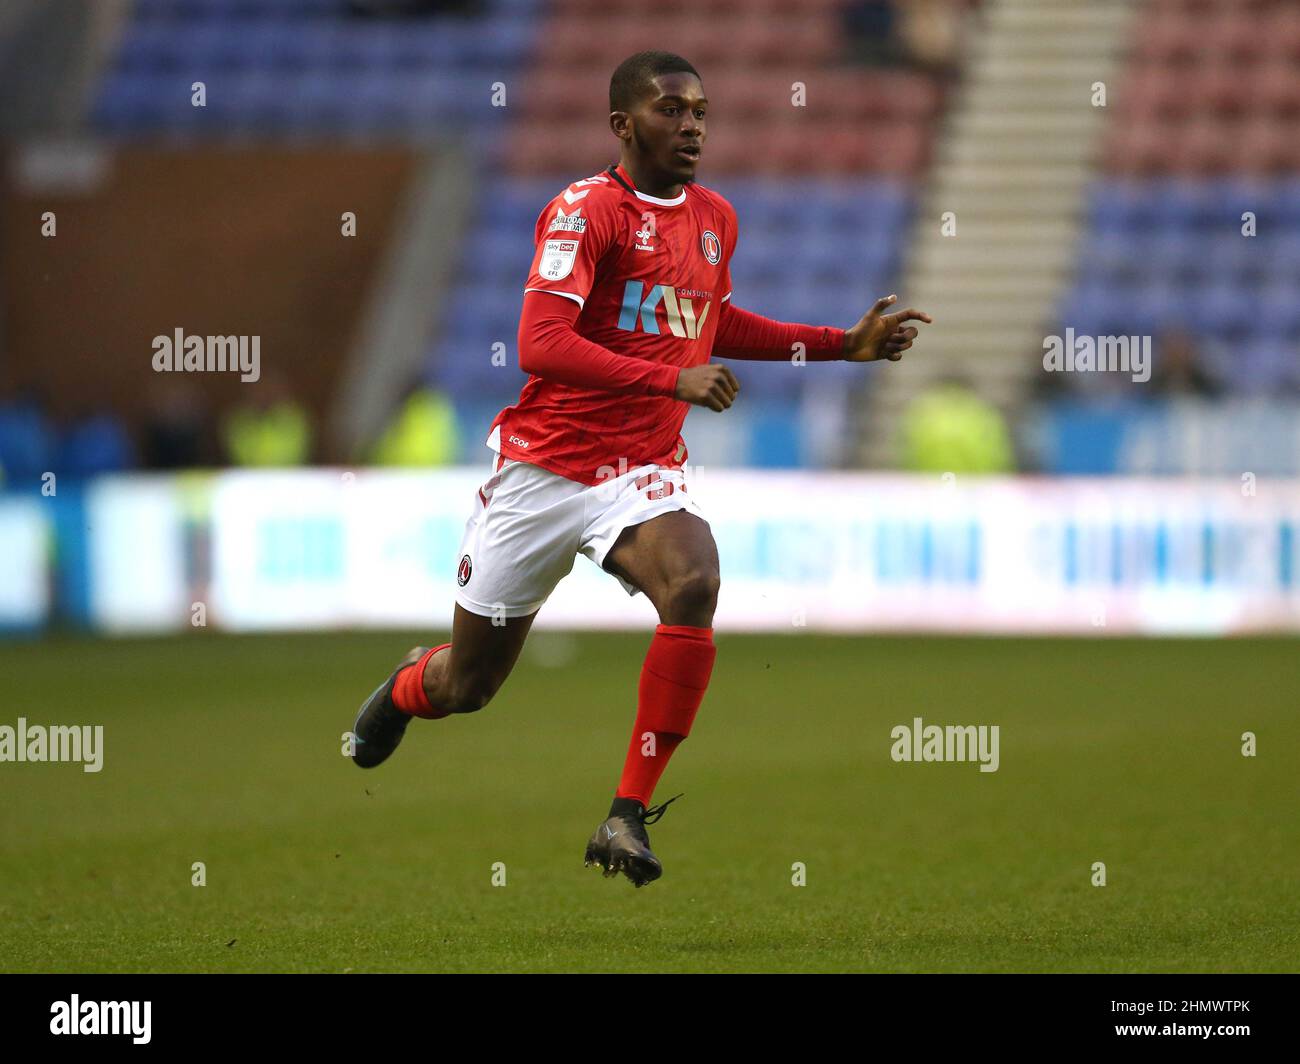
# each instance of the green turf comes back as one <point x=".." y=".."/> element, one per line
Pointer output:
<point x="226" y="750"/>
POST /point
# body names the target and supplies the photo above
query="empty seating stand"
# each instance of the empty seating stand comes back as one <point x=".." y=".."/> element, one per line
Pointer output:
<point x="288" y="68"/>
<point x="1206" y="137"/>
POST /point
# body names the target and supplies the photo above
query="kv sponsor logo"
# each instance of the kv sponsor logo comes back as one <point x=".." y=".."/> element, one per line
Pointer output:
<point x="952" y="742"/>
<point x="641" y="308"/>
<point x="179" y="353"/>
<point x="58" y="742"/>
<point x="102" y="1017"/>
<point x="1098" y="354"/>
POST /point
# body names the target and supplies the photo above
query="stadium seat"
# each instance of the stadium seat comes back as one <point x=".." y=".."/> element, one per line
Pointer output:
<point x="308" y="67"/>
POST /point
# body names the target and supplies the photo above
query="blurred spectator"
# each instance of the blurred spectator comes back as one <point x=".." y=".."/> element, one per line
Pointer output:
<point x="1179" y="369"/>
<point x="869" y="26"/>
<point x="951" y="429"/>
<point x="930" y="31"/>
<point x="95" y="442"/>
<point x="423" y="432"/>
<point x="176" y="430"/>
<point x="921" y="33"/>
<point x="271" y="429"/>
<point x="27" y="440"/>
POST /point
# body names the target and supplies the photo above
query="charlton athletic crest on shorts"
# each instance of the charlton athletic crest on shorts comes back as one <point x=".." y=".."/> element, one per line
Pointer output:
<point x="712" y="246"/>
<point x="462" y="573"/>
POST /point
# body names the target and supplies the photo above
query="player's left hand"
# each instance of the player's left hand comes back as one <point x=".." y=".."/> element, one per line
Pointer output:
<point x="879" y="335"/>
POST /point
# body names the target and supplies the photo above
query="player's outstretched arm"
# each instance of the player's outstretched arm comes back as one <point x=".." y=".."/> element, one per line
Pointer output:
<point x="879" y="335"/>
<point x="745" y="335"/>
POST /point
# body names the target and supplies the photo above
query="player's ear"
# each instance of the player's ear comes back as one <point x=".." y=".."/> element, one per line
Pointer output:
<point x="621" y="123"/>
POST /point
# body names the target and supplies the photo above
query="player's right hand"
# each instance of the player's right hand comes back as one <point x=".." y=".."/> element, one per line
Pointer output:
<point x="709" y="385"/>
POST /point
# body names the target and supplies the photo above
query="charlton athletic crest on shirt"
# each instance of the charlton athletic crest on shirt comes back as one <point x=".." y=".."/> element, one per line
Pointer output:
<point x="465" y="568"/>
<point x="557" y="259"/>
<point x="712" y="246"/>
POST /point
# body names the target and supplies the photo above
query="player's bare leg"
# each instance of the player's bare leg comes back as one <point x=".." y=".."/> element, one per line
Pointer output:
<point x="457" y="677"/>
<point x="673" y="560"/>
<point x="463" y="677"/>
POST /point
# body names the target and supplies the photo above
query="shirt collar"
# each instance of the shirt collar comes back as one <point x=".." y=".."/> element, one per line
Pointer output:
<point x="677" y="200"/>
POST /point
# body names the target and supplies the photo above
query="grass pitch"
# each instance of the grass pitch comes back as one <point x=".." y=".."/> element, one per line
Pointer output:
<point x="226" y="750"/>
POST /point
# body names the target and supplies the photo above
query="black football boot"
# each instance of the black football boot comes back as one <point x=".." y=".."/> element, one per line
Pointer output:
<point x="622" y="845"/>
<point x="380" y="725"/>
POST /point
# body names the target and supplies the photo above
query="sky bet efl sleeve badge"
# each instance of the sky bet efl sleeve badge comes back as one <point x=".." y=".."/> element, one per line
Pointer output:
<point x="557" y="259"/>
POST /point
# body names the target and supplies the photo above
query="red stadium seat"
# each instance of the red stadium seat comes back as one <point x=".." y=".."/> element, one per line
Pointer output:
<point x="572" y="41"/>
<point x="812" y="41"/>
<point x="1152" y="92"/>
<point x="714" y="43"/>
<point x="563" y="93"/>
<point x="751" y="55"/>
<point x="1168" y="38"/>
<point x="1231" y="34"/>
<point x="569" y="150"/>
<point x="1268" y="147"/>
<point x="1140" y="149"/>
<point x="1275" y="88"/>
<point x="729" y="151"/>
<point x="735" y="95"/>
<point x="1183" y="8"/>
<point x="669" y="10"/>
<point x="1205" y="147"/>
<point x="1218" y="87"/>
<point x="902" y="95"/>
<point x="1211" y="88"/>
<point x="890" y="148"/>
<point x="1282" y="32"/>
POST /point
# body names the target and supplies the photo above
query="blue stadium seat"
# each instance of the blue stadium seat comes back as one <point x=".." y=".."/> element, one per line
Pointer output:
<point x="1197" y="270"/>
<point x="311" y="68"/>
<point x="1280" y="258"/>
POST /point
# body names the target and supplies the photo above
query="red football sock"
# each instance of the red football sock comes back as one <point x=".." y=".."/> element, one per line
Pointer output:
<point x="673" y="680"/>
<point x="408" y="690"/>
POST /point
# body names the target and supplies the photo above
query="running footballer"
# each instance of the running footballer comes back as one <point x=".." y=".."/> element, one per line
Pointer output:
<point x="628" y="298"/>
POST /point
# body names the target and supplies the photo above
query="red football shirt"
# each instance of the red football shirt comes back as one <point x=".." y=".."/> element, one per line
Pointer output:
<point x="650" y="275"/>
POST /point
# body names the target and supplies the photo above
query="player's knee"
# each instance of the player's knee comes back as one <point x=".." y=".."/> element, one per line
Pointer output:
<point x="693" y="594"/>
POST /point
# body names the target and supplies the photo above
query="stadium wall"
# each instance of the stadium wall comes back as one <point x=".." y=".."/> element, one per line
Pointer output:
<point x="845" y="552"/>
<point x="217" y="242"/>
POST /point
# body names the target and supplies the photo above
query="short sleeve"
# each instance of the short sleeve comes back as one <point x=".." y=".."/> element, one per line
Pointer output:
<point x="571" y="239"/>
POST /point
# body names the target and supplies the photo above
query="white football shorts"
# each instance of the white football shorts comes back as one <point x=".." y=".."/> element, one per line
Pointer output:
<point x="529" y="524"/>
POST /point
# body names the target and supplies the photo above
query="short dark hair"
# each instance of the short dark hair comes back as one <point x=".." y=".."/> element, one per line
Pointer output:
<point x="632" y="78"/>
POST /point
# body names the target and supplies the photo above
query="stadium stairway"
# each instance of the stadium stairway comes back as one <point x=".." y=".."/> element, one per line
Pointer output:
<point x="1012" y="164"/>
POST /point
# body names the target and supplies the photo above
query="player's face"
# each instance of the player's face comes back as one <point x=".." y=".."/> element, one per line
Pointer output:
<point x="668" y="126"/>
